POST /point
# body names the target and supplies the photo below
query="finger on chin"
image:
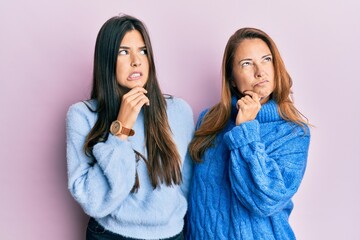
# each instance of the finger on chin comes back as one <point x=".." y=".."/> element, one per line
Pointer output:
<point x="252" y="94"/>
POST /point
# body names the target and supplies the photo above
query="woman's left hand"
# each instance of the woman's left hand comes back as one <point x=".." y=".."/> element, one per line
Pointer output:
<point x="248" y="107"/>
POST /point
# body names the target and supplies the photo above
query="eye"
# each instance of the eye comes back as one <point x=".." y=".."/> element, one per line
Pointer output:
<point x="123" y="52"/>
<point x="268" y="59"/>
<point x="246" y="63"/>
<point x="143" y="51"/>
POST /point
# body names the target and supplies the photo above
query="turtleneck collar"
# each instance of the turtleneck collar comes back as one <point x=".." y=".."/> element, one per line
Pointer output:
<point x="268" y="112"/>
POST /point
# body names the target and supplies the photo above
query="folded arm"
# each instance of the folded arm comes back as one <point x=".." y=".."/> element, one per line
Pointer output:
<point x="265" y="182"/>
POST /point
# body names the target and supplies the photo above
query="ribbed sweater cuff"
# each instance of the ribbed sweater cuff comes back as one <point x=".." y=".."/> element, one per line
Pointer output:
<point x="243" y="134"/>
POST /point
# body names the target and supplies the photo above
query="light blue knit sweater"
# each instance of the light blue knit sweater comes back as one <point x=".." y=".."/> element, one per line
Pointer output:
<point x="103" y="189"/>
<point x="244" y="186"/>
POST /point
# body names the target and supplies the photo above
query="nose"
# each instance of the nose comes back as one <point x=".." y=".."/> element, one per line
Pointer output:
<point x="259" y="72"/>
<point x="135" y="61"/>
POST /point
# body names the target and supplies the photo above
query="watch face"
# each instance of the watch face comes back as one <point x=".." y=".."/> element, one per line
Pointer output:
<point x="115" y="127"/>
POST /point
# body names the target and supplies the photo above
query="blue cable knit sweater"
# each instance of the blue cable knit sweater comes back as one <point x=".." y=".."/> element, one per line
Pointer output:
<point x="243" y="187"/>
<point x="102" y="188"/>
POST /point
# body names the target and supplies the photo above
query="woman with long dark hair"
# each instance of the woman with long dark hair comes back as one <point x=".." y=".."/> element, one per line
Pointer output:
<point x="128" y="165"/>
<point x="251" y="148"/>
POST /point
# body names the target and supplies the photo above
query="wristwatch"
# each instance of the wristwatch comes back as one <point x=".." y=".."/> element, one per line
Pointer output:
<point x="116" y="128"/>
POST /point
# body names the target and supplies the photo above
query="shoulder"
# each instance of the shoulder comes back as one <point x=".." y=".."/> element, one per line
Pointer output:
<point x="291" y="132"/>
<point x="178" y="106"/>
<point x="303" y="131"/>
<point x="201" y="117"/>
<point x="180" y="115"/>
<point x="82" y="110"/>
<point x="203" y="113"/>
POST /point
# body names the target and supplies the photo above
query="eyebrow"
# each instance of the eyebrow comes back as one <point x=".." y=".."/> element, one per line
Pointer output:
<point x="125" y="47"/>
<point x="267" y="55"/>
<point x="250" y="59"/>
<point x="245" y="59"/>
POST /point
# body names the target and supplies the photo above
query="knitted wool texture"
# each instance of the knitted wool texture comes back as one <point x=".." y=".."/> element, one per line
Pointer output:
<point x="243" y="187"/>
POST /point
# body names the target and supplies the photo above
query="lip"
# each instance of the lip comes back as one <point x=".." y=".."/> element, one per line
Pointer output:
<point x="134" y="76"/>
<point x="261" y="83"/>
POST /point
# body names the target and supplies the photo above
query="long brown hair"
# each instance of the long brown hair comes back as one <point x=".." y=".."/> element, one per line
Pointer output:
<point x="163" y="160"/>
<point x="218" y="116"/>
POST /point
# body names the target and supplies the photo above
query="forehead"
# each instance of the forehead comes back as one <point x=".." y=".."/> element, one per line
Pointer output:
<point x="252" y="48"/>
<point x="133" y="37"/>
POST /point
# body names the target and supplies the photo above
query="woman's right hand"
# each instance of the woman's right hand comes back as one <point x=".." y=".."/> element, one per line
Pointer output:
<point x="131" y="104"/>
<point x="248" y="107"/>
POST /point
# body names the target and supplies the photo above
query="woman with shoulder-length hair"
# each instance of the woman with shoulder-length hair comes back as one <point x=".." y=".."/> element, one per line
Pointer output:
<point x="128" y="165"/>
<point x="251" y="148"/>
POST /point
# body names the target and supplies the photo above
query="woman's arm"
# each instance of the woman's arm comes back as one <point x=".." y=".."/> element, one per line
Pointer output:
<point x="99" y="185"/>
<point x="264" y="180"/>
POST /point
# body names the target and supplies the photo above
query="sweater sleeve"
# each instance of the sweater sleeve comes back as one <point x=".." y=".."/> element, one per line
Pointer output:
<point x="99" y="185"/>
<point x="265" y="182"/>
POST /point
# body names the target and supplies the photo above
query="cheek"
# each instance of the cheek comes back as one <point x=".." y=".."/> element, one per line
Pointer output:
<point x="271" y="71"/>
<point x="242" y="82"/>
<point x="119" y="71"/>
<point x="147" y="66"/>
<point x="272" y="78"/>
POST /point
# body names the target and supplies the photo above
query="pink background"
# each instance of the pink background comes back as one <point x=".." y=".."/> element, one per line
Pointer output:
<point x="46" y="50"/>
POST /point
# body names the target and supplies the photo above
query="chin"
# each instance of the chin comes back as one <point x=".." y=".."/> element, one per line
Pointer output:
<point x="131" y="86"/>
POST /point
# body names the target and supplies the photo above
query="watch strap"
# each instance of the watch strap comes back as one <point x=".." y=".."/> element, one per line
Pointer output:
<point x="127" y="131"/>
<point x="117" y="129"/>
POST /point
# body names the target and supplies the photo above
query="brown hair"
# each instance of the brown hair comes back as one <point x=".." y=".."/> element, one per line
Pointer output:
<point x="218" y="116"/>
<point x="163" y="160"/>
